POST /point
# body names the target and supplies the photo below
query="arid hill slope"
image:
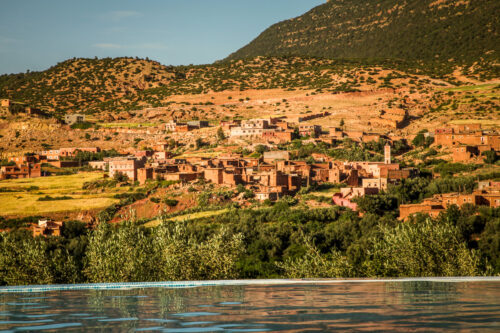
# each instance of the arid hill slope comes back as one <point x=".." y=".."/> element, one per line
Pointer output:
<point x="126" y="84"/>
<point x="464" y="31"/>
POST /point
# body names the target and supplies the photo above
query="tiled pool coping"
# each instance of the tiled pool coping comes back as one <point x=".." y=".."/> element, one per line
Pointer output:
<point x="192" y="284"/>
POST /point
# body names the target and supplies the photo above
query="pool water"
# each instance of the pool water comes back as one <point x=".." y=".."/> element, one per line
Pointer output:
<point x="288" y="306"/>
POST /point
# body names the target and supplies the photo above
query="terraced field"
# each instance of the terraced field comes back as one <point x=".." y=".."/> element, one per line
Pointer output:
<point x="20" y="196"/>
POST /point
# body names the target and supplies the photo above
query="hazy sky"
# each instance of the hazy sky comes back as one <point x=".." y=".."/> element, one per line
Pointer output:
<point x="36" y="34"/>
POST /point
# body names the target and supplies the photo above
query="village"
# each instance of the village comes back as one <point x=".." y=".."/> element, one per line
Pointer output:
<point x="274" y="174"/>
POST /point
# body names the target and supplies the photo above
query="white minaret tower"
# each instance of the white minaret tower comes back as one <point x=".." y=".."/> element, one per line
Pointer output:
<point x="387" y="154"/>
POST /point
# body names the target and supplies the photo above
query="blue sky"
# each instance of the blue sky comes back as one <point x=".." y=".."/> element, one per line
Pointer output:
<point x="36" y="34"/>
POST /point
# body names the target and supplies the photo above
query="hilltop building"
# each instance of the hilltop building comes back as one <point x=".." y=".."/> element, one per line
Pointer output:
<point x="71" y="119"/>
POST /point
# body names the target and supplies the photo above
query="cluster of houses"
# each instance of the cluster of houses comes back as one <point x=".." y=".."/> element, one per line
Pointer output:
<point x="270" y="177"/>
<point x="30" y="165"/>
<point x="467" y="141"/>
<point x="368" y="178"/>
<point x="273" y="130"/>
<point x="275" y="174"/>
<point x="487" y="194"/>
<point x="276" y="130"/>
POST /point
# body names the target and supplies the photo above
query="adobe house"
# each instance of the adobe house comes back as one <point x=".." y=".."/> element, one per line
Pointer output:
<point x="344" y="198"/>
<point x="47" y="227"/>
<point x="144" y="174"/>
<point x="23" y="159"/>
<point x="198" y="124"/>
<point x="51" y="154"/>
<point x="143" y="153"/>
<point x="355" y="135"/>
<point x="182" y="176"/>
<point x="339" y="200"/>
<point x="73" y="151"/>
<point x="488" y="184"/>
<point x="336" y="133"/>
<point x="440" y="202"/>
<point x="277" y="136"/>
<point x="468" y="135"/>
<point x="71" y="119"/>
<point x="8" y="106"/>
<point x="227" y="125"/>
<point x="465" y="153"/>
<point x="126" y="165"/>
<point x="22" y="171"/>
<point x="64" y="164"/>
<point x="294" y="167"/>
<point x="162" y="155"/>
<point x="99" y="165"/>
<point x="310" y="130"/>
<point x="429" y="207"/>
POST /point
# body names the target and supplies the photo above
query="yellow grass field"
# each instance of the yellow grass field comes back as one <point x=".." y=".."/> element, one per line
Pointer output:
<point x="126" y="125"/>
<point x="24" y="203"/>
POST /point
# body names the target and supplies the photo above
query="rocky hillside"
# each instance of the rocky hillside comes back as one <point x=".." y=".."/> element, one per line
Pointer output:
<point x="465" y="31"/>
<point x="78" y="84"/>
<point x="105" y="87"/>
<point x="124" y="84"/>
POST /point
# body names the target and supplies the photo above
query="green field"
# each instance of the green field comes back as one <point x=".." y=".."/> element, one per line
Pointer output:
<point x="21" y="202"/>
<point x="326" y="193"/>
<point x="479" y="87"/>
<point x="126" y="125"/>
<point x="188" y="217"/>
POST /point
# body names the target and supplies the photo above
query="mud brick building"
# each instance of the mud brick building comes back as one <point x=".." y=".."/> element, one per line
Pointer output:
<point x="47" y="227"/>
<point x="29" y="170"/>
<point x="310" y="130"/>
<point x="263" y="130"/>
<point x="125" y="165"/>
<point x="71" y="152"/>
<point x="468" y="135"/>
<point x="71" y="119"/>
<point x="487" y="196"/>
<point x="465" y="153"/>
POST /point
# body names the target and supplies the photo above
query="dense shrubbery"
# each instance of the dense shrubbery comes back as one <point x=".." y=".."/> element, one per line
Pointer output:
<point x="417" y="35"/>
<point x="270" y="242"/>
<point x="280" y="240"/>
<point x="49" y="198"/>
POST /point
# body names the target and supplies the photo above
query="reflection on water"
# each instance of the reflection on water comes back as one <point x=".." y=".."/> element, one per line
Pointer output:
<point x="380" y="306"/>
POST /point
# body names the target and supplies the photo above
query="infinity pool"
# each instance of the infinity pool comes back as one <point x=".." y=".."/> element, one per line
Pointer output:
<point x="265" y="306"/>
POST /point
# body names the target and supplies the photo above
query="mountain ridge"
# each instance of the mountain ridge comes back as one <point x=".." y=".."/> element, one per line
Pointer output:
<point x="429" y="30"/>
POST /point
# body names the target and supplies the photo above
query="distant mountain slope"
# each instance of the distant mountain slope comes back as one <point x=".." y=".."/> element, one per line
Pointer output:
<point x="124" y="84"/>
<point x="463" y="30"/>
<point x="85" y="83"/>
